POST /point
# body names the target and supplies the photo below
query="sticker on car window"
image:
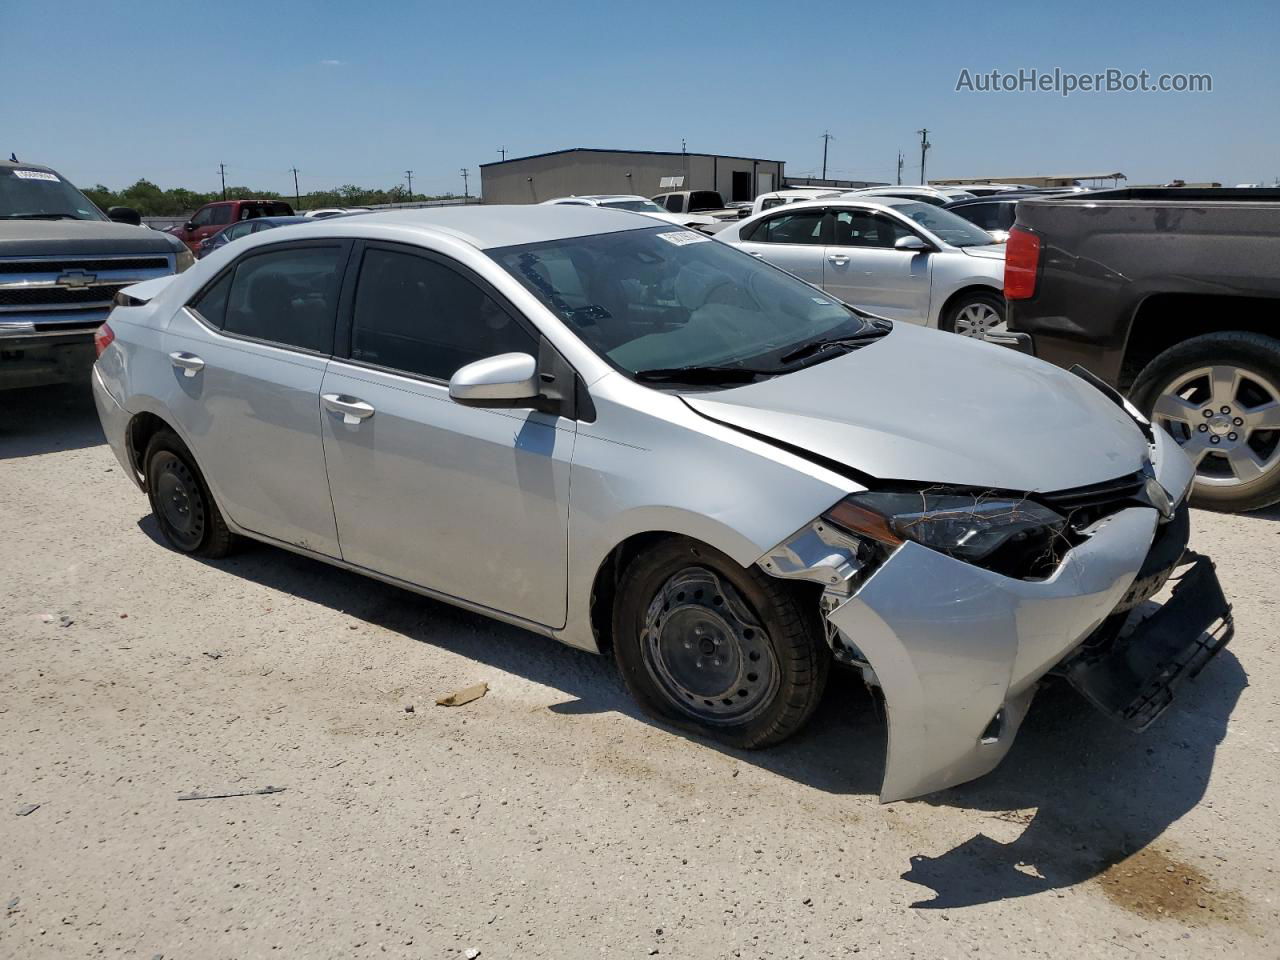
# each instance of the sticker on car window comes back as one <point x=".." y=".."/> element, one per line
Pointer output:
<point x="680" y="238"/>
<point x="34" y="175"/>
<point x="821" y="300"/>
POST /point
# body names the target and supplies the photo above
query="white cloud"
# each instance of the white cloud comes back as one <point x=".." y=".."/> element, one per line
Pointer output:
<point x="333" y="63"/>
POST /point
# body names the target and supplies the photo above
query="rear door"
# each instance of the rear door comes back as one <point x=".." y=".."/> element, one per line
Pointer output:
<point x="469" y="502"/>
<point x="792" y="240"/>
<point x="863" y="269"/>
<point x="248" y="354"/>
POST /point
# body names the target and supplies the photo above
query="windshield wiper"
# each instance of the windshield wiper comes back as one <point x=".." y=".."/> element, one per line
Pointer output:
<point x="817" y="346"/>
<point x="707" y="374"/>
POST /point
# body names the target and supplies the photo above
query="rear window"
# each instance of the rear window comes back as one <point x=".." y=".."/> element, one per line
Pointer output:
<point x="705" y="200"/>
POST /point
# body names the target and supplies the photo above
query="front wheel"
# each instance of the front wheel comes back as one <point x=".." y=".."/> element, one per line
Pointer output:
<point x="711" y="647"/>
<point x="973" y="314"/>
<point x="1218" y="395"/>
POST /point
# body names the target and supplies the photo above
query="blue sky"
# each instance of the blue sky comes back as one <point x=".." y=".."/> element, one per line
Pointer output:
<point x="357" y="93"/>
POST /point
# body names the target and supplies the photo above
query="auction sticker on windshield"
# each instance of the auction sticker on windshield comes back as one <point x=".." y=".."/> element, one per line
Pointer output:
<point x="34" y="175"/>
<point x="682" y="237"/>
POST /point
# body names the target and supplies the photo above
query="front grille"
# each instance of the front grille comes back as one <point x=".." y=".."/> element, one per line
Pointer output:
<point x="1085" y="505"/>
<point x="157" y="262"/>
<point x="57" y="296"/>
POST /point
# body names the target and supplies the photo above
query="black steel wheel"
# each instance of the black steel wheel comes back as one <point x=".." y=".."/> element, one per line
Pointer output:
<point x="184" y="509"/>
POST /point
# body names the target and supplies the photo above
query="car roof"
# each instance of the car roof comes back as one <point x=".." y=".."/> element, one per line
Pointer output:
<point x="21" y="165"/>
<point x="278" y="220"/>
<point x="499" y="225"/>
<point x="867" y="201"/>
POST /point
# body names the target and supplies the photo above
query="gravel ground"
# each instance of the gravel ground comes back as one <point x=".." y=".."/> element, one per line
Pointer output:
<point x="549" y="819"/>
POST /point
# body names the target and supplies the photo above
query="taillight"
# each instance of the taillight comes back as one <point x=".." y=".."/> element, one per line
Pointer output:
<point x="1021" y="263"/>
<point x="102" y="338"/>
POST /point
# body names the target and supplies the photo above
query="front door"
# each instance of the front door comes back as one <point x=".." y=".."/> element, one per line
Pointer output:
<point x="792" y="241"/>
<point x="466" y="501"/>
<point x="863" y="269"/>
<point x="248" y="355"/>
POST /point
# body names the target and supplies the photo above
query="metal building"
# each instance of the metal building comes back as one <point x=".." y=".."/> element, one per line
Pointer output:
<point x="585" y="170"/>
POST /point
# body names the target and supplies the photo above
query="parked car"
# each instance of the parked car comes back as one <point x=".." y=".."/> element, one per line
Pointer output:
<point x="986" y="189"/>
<point x="325" y="212"/>
<point x="777" y="198"/>
<point x="61" y="262"/>
<point x="635" y="204"/>
<point x="936" y="196"/>
<point x="243" y="229"/>
<point x="212" y="217"/>
<point x="954" y="520"/>
<point x="1171" y="295"/>
<point x="996" y="213"/>
<point x="707" y="202"/>
<point x="893" y="257"/>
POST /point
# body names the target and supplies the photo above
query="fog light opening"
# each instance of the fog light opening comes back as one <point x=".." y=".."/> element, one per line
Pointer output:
<point x="995" y="729"/>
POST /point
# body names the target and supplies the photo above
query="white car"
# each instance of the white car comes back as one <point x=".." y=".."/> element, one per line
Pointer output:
<point x="890" y="256"/>
<point x="325" y="212"/>
<point x="637" y="204"/>
<point x="934" y="195"/>
<point x="767" y="201"/>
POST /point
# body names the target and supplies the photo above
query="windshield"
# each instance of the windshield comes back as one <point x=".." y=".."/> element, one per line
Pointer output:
<point x="945" y="225"/>
<point x="663" y="299"/>
<point x="640" y="206"/>
<point x="42" y="195"/>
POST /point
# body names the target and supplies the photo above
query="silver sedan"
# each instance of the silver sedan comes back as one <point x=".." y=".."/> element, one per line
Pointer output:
<point x="895" y="257"/>
<point x="635" y="439"/>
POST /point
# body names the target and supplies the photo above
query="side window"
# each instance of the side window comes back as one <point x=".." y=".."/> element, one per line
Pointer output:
<point x="417" y="315"/>
<point x="288" y="296"/>
<point x="674" y="203"/>
<point x="803" y="226"/>
<point x="771" y="203"/>
<point x="982" y="215"/>
<point x="220" y="214"/>
<point x="237" y="231"/>
<point x="862" y="228"/>
<point x="211" y="302"/>
<point x="203" y="217"/>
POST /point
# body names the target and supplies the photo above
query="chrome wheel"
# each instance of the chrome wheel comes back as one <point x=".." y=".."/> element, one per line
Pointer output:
<point x="1227" y="419"/>
<point x="976" y="319"/>
<point x="706" y="651"/>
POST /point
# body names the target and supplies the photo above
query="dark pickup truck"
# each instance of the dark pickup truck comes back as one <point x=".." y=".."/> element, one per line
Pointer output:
<point x="1173" y="297"/>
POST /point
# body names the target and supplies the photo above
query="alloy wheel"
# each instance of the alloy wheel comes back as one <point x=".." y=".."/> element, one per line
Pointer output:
<point x="1225" y="418"/>
<point x="976" y="319"/>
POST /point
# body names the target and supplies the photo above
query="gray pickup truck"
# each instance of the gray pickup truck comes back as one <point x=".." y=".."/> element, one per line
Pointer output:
<point x="61" y="262"/>
<point x="1173" y="297"/>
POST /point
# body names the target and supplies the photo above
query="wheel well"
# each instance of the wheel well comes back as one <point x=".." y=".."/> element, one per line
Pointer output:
<point x="965" y="291"/>
<point x="1165" y="319"/>
<point x="141" y="429"/>
<point x="605" y="586"/>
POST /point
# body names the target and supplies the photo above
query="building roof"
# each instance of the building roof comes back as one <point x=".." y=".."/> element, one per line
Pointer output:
<point x="642" y="153"/>
<point x="1030" y="176"/>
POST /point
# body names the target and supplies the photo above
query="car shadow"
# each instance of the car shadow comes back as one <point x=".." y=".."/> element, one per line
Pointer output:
<point x="1100" y="793"/>
<point x="46" y="419"/>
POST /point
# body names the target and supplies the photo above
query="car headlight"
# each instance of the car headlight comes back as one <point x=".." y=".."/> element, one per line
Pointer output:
<point x="971" y="527"/>
<point x="183" y="258"/>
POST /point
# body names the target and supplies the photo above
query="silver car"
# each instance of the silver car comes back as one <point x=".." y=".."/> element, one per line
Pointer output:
<point x="635" y="439"/>
<point x="891" y="256"/>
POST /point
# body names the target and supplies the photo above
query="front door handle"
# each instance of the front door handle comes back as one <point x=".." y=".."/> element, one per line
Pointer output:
<point x="756" y="254"/>
<point x="352" y="409"/>
<point x="838" y="259"/>
<point x="188" y="363"/>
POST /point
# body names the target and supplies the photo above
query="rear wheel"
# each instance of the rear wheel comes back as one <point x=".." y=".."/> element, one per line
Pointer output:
<point x="184" y="509"/>
<point x="1218" y="395"/>
<point x="711" y="647"/>
<point x="973" y="314"/>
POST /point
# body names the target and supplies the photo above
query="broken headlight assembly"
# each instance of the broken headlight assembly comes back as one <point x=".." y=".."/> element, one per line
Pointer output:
<point x="1012" y="536"/>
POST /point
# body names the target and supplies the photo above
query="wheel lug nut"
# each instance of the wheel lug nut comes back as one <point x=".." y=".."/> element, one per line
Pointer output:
<point x="717" y="662"/>
<point x="1203" y="427"/>
<point x="1226" y="409"/>
<point x="1214" y="439"/>
<point x="1238" y="422"/>
<point x="1208" y="413"/>
<point x="1232" y="436"/>
<point x="698" y="663"/>
<point x="688" y="644"/>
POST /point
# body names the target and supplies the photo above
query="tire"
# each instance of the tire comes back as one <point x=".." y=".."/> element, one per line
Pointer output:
<point x="184" y="509"/>
<point x="972" y="314"/>
<point x="760" y="662"/>
<point x="1236" y="377"/>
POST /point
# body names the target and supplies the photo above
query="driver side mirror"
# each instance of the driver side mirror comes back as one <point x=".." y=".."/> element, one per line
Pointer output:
<point x="505" y="380"/>
<point x="125" y="215"/>
<point x="189" y="226"/>
<point x="911" y="243"/>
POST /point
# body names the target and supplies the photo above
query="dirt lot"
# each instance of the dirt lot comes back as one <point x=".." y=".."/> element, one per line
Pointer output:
<point x="549" y="819"/>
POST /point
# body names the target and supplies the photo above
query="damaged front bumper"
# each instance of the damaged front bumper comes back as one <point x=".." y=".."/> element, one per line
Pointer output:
<point x="958" y="650"/>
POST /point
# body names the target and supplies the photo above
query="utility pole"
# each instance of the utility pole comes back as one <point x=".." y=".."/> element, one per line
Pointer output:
<point x="899" y="168"/>
<point x="684" y="164"/>
<point x="222" y="171"/>
<point x="409" y="174"/>
<point x="297" y="195"/>
<point x="464" y="184"/>
<point x="924" y="148"/>
<point x="503" y="152"/>
<point x="826" y="138"/>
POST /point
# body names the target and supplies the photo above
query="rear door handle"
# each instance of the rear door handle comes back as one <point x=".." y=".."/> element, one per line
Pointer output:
<point x="188" y="363"/>
<point x="838" y="259"/>
<point x="352" y="409"/>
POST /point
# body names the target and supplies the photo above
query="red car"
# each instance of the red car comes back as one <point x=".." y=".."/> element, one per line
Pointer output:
<point x="212" y="217"/>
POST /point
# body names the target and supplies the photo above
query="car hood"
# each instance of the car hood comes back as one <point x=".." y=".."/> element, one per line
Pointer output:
<point x="56" y="238"/>
<point x="993" y="252"/>
<point x="930" y="407"/>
